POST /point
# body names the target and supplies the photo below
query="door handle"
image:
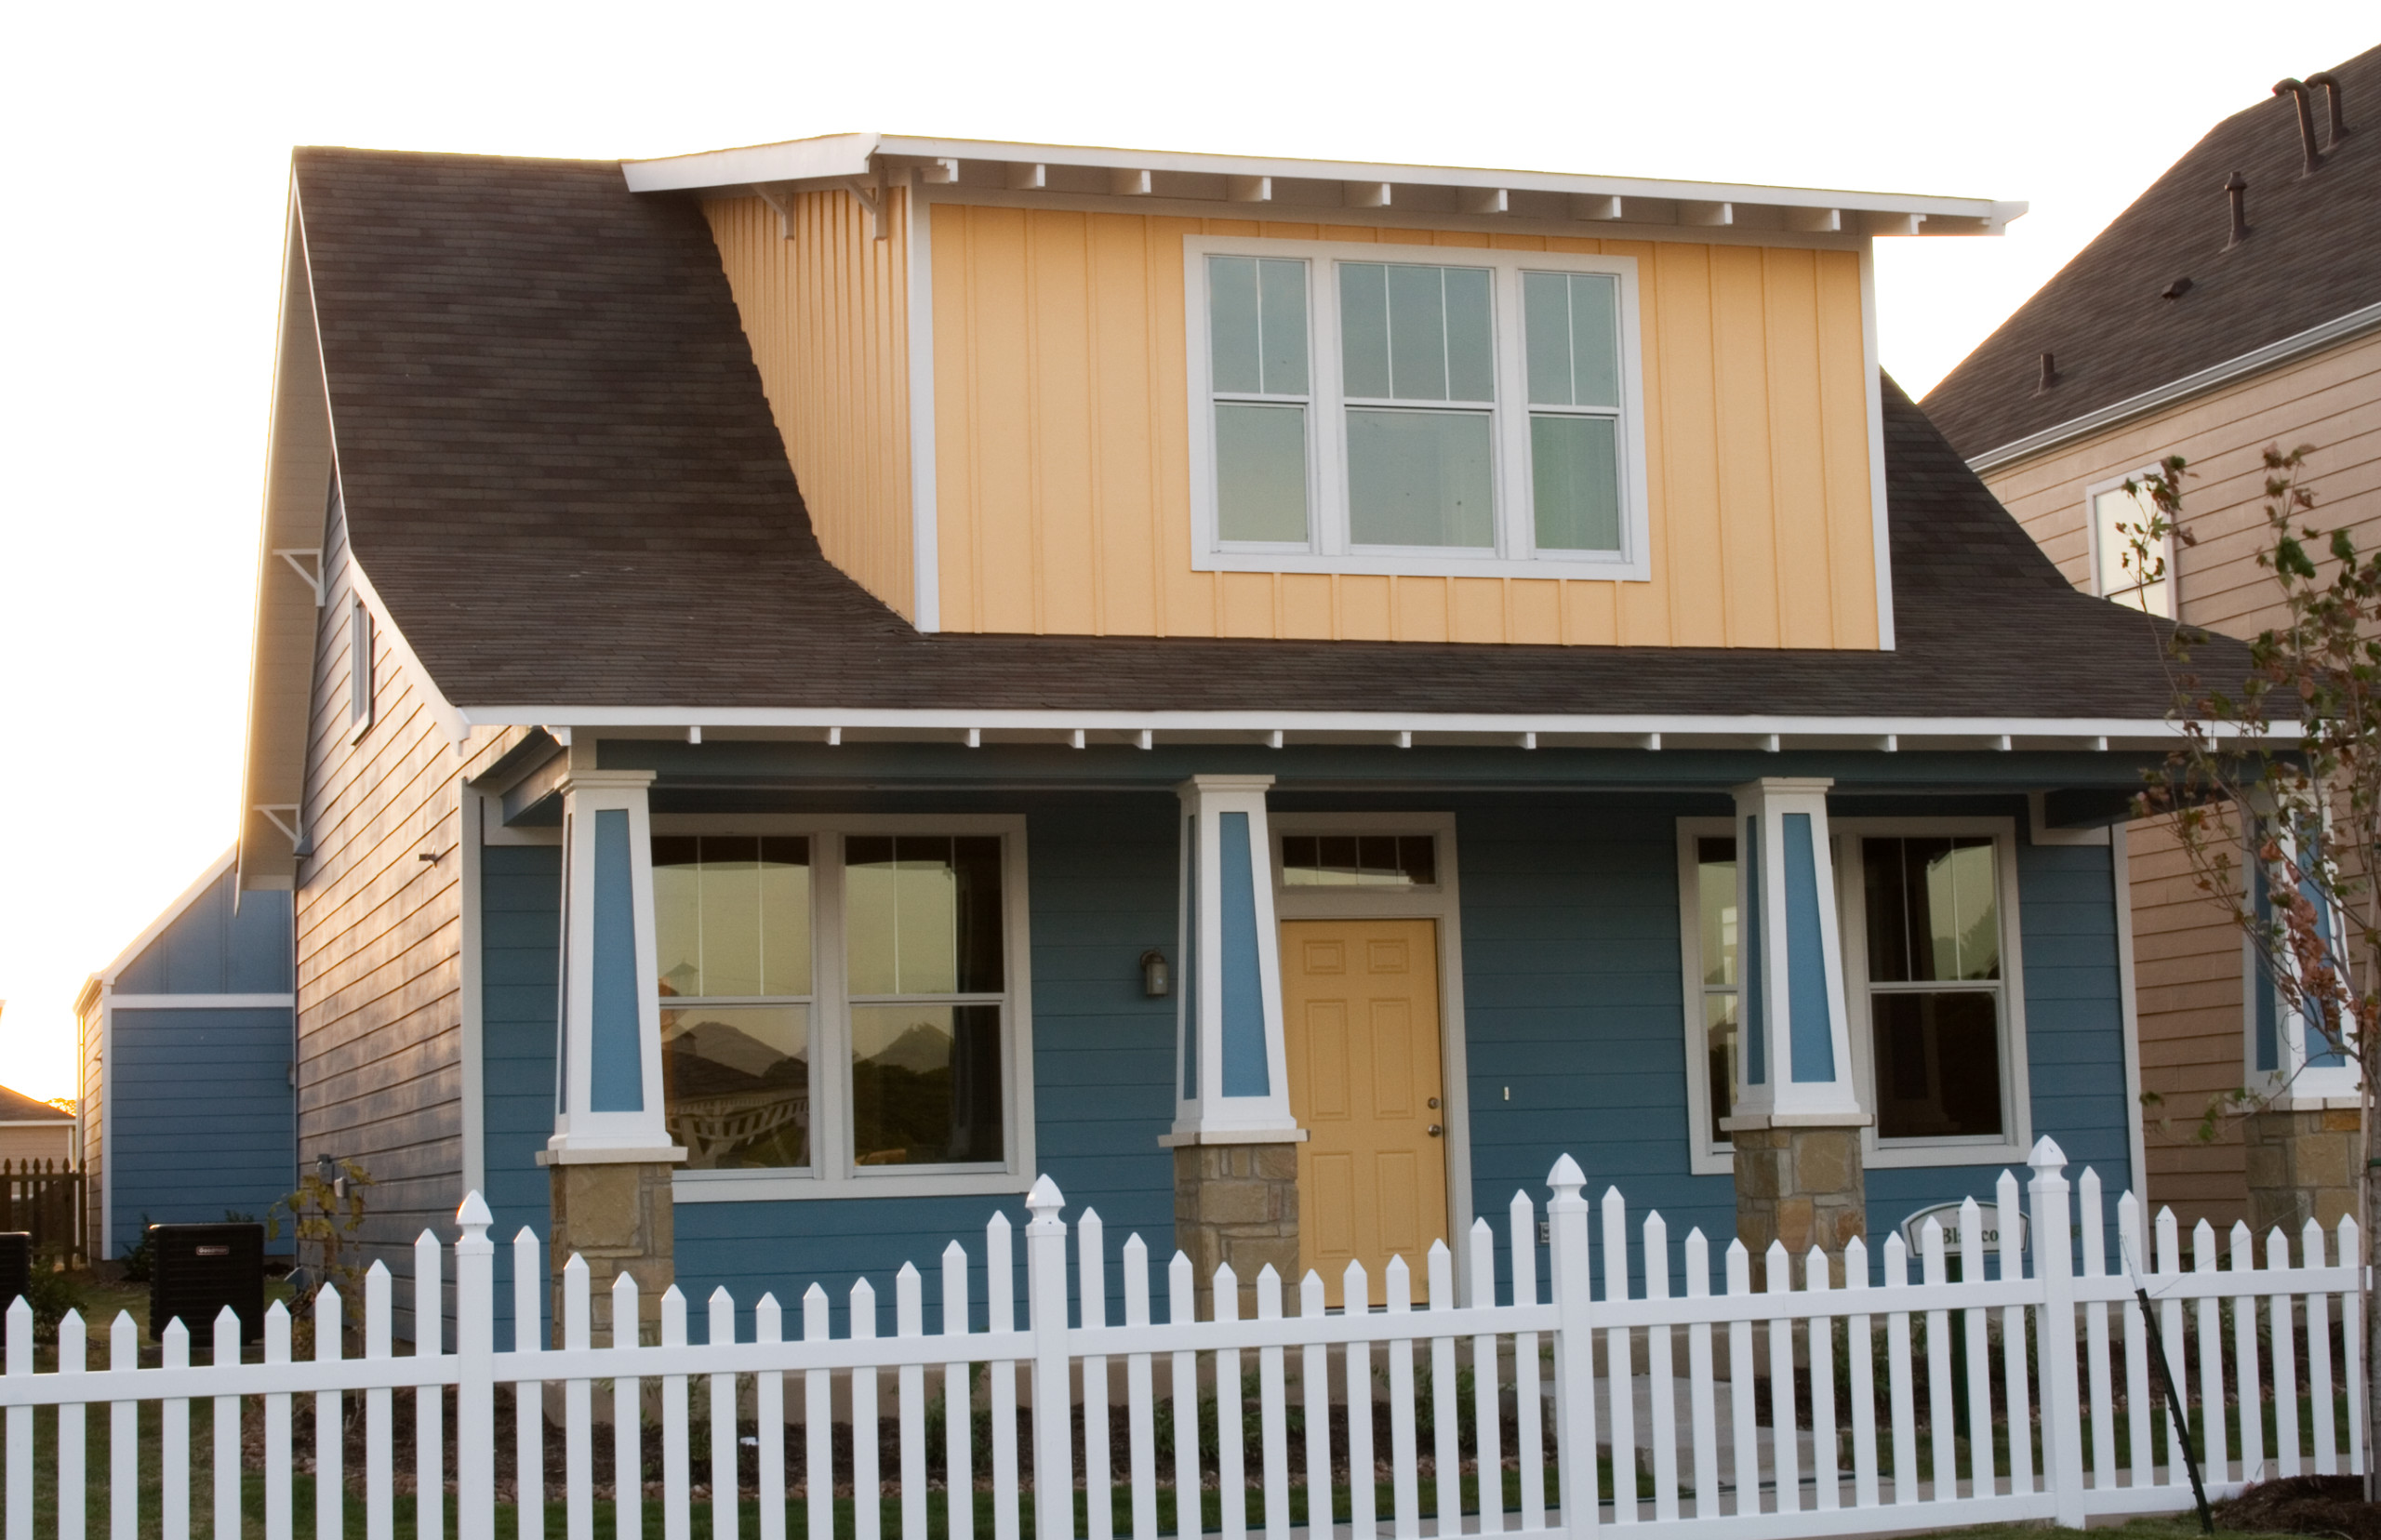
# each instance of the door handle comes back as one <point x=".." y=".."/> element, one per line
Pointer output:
<point x="1436" y="1130"/>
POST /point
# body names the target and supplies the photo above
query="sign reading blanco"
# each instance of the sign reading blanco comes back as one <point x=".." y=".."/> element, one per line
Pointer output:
<point x="1914" y="1229"/>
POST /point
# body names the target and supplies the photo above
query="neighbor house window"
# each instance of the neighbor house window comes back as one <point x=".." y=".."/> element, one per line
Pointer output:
<point x="838" y="1006"/>
<point x="1356" y="412"/>
<point x="2120" y="523"/>
<point x="359" y="669"/>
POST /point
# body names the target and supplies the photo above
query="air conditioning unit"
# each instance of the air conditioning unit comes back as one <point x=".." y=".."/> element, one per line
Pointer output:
<point x="195" y="1270"/>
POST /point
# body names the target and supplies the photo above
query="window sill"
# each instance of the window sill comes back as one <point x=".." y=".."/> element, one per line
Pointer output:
<point x="775" y="1186"/>
<point x="1881" y="1157"/>
<point x="1607" y="567"/>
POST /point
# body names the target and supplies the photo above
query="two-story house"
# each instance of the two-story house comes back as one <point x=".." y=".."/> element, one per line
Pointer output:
<point x="814" y="682"/>
<point x="2235" y="305"/>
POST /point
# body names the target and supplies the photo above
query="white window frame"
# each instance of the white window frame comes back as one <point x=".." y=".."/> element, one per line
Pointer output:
<point x="2016" y="1137"/>
<point x="2092" y="539"/>
<point x="360" y="680"/>
<point x="1328" y="549"/>
<point x="831" y="1171"/>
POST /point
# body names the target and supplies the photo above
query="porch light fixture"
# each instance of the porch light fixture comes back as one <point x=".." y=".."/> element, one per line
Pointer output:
<point x="1157" y="979"/>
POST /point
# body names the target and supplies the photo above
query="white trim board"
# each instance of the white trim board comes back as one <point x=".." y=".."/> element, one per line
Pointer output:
<point x="2314" y="339"/>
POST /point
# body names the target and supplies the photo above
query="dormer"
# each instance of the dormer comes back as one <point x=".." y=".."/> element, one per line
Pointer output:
<point x="1053" y="390"/>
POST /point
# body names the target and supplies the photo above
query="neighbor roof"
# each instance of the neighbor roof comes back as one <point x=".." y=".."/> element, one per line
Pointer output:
<point x="16" y="1106"/>
<point x="563" y="481"/>
<point x="2312" y="257"/>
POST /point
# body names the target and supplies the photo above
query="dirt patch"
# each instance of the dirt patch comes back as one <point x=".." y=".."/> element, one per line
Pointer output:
<point x="2304" y="1505"/>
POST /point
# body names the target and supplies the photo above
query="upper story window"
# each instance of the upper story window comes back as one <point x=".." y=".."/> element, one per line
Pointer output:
<point x="2118" y="519"/>
<point x="1475" y="413"/>
<point x="359" y="669"/>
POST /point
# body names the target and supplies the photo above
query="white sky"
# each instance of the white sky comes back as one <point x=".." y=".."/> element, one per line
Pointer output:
<point x="141" y="252"/>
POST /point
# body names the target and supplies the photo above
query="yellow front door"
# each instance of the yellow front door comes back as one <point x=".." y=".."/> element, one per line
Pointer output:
<point x="1361" y="1004"/>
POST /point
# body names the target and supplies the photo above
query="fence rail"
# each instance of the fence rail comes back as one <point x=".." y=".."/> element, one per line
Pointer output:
<point x="45" y="1197"/>
<point x="1779" y="1435"/>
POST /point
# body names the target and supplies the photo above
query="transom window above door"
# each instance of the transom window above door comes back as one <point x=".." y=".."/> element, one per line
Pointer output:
<point x="1415" y="411"/>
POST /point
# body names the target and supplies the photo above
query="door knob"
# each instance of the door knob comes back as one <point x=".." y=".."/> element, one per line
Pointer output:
<point x="1436" y="1130"/>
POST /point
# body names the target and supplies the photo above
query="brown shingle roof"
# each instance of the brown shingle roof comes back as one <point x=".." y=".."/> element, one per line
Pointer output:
<point x="16" y="1106"/>
<point x="2313" y="254"/>
<point x="564" y="480"/>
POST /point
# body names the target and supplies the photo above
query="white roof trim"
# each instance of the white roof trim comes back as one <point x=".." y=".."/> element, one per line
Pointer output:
<point x="2314" y="339"/>
<point x="173" y="912"/>
<point x="842" y="155"/>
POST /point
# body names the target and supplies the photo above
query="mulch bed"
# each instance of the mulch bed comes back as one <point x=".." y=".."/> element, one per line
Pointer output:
<point x="2304" y="1505"/>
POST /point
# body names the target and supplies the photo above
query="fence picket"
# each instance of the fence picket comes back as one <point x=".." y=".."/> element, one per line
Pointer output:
<point x="1972" y="1323"/>
<point x="277" y="1525"/>
<point x="1272" y="1408"/>
<point x="1486" y="1402"/>
<point x="958" y="1404"/>
<point x="1099" y="1459"/>
<point x="1825" y="1474"/>
<point x="1045" y="1285"/>
<point x="1743" y="1460"/>
<point x="1405" y="1513"/>
<point x="1446" y="1411"/>
<point x="1182" y="1387"/>
<point x="330" y="1490"/>
<point x="124" y="1436"/>
<point x="1696" y="1261"/>
<point x="1529" y="1433"/>
<point x="227" y="1432"/>
<point x="2213" y="1446"/>
<point x="1231" y="1438"/>
<point x="173" y="1443"/>
<point x="2136" y="1345"/>
<point x="718" y="1326"/>
<point x="1661" y="1408"/>
<point x="1620" y="1366"/>
<point x="2352" y="1255"/>
<point x="628" y="1413"/>
<point x="2095" y="1333"/>
<point x="769" y="1422"/>
<point x="2244" y="1361"/>
<point x="909" y="1321"/>
<point x="1000" y="1296"/>
<point x="2285" y="1360"/>
<point x="1363" y="1520"/>
<point x="677" y="1480"/>
<point x="1314" y="1379"/>
<point x="2318" y="1356"/>
<point x="868" y="1485"/>
<point x="73" y="1358"/>
<point x="1140" y="1401"/>
<point x="429" y="1400"/>
<point x="1574" y="1360"/>
<point x="21" y="1424"/>
<point x="1785" y="1465"/>
<point x="1859" y="1331"/>
<point x="1938" y="1362"/>
<point x="2053" y="1334"/>
<point x="528" y="1395"/>
<point x="2170" y="1333"/>
<point x="2018" y="1402"/>
<point x="379" y="1488"/>
<point x="475" y="1385"/>
<point x="577" y="1402"/>
<point x="818" y="1422"/>
<point x="1897" y="1374"/>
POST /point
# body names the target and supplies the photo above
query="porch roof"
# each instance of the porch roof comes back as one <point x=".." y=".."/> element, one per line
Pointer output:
<point x="563" y="476"/>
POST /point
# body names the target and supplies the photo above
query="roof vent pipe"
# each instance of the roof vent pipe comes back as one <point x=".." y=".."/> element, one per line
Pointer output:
<point x="2331" y="93"/>
<point x="2049" y="374"/>
<point x="2297" y="89"/>
<point x="2236" y="188"/>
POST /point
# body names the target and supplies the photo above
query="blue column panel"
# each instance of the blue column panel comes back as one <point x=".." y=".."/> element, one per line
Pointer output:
<point x="1244" y="1070"/>
<point x="1754" y="994"/>
<point x="1812" y="1023"/>
<point x="615" y="1066"/>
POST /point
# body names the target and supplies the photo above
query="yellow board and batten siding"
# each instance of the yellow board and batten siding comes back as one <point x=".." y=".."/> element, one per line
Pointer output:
<point x="827" y="313"/>
<point x="1061" y="434"/>
<point x="1062" y="449"/>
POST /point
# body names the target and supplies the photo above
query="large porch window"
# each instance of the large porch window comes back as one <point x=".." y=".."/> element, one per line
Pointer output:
<point x="839" y="1006"/>
<point x="1930" y="965"/>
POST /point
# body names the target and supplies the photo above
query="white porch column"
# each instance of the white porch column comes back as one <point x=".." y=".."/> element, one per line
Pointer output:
<point x="610" y="1071"/>
<point x="1235" y="1156"/>
<point x="1796" y="1121"/>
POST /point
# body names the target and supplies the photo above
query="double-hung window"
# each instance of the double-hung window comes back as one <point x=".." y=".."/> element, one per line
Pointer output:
<point x="842" y="1009"/>
<point x="2127" y="566"/>
<point x="1419" y="411"/>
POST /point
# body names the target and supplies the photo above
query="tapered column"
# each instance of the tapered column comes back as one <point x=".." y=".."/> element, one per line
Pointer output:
<point x="611" y="1157"/>
<point x="1235" y="1166"/>
<point x="1796" y="1121"/>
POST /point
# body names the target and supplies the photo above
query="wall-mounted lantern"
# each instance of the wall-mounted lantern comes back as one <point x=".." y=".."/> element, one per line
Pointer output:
<point x="1157" y="979"/>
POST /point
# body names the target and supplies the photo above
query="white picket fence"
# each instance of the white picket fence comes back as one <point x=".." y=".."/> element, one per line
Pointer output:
<point x="1794" y="1474"/>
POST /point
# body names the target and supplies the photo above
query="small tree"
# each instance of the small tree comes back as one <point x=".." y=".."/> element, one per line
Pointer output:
<point x="2275" y="794"/>
<point x="326" y="1212"/>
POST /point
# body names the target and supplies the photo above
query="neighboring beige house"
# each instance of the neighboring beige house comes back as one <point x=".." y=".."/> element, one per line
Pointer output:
<point x="33" y="1130"/>
<point x="2235" y="305"/>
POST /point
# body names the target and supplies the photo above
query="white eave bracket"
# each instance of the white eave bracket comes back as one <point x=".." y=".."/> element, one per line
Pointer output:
<point x="292" y="825"/>
<point x="296" y="556"/>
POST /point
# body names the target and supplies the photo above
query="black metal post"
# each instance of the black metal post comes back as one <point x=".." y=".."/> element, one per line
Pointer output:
<point x="2175" y="1410"/>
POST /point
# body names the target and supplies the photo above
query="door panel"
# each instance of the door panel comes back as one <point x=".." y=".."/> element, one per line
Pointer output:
<point x="1361" y="1005"/>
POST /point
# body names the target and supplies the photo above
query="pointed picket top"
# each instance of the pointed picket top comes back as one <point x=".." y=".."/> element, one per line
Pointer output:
<point x="863" y="1307"/>
<point x="2349" y="1249"/>
<point x="1481" y="1226"/>
<point x="1814" y="1277"/>
<point x="999" y="1221"/>
<point x="2046" y="1155"/>
<point x="2005" y="1188"/>
<point x="21" y="1311"/>
<point x="814" y="1295"/>
<point x="574" y="1268"/>
<point x="909" y="1272"/>
<point x="1268" y="1293"/>
<point x="2242" y="1234"/>
<point x="1777" y="1267"/>
<point x="177" y="1339"/>
<point x="473" y="1215"/>
<point x="2203" y="1247"/>
<point x="1356" y="1286"/>
<point x="1695" y="1255"/>
<point x="768" y="1320"/>
<point x="1896" y="1258"/>
<point x="1855" y="1262"/>
<point x="721" y="1297"/>
<point x="1043" y="1202"/>
<point x="2310" y="1242"/>
<point x="1311" y="1302"/>
<point x="1566" y="1180"/>
<point x="623" y="1288"/>
<point x="1398" y="1280"/>
<point x="1739" y="1265"/>
<point x="954" y="1253"/>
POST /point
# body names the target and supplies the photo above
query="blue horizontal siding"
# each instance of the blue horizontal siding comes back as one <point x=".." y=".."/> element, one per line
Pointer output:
<point x="520" y="942"/>
<point x="202" y="1119"/>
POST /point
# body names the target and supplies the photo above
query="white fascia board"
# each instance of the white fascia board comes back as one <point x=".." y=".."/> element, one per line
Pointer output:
<point x="2356" y="322"/>
<point x="1369" y="724"/>
<point x="172" y="912"/>
<point x="848" y="155"/>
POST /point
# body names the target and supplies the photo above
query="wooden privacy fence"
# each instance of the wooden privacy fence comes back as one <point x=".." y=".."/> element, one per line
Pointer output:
<point x="2061" y="1428"/>
<point x="45" y="1197"/>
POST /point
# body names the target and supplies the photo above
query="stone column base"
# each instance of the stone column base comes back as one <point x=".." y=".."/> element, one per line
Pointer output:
<point x="1237" y="1203"/>
<point x="2302" y="1164"/>
<point x="617" y="1218"/>
<point x="1800" y="1185"/>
